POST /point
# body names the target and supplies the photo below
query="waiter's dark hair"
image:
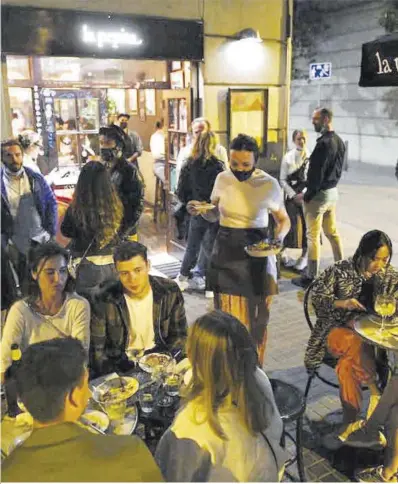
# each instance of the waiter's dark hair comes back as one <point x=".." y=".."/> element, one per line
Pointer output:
<point x="123" y="115"/>
<point x="244" y="142"/>
<point x="48" y="372"/>
<point x="370" y="243"/>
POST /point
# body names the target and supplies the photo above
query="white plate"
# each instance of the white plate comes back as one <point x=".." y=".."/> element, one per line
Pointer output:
<point x="148" y="364"/>
<point x="97" y="419"/>
<point x="262" y="253"/>
<point x="129" y="423"/>
<point x="107" y="387"/>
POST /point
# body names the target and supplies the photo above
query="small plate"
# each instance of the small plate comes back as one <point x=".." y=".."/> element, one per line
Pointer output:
<point x="98" y="419"/>
<point x="129" y="423"/>
<point x="153" y="361"/>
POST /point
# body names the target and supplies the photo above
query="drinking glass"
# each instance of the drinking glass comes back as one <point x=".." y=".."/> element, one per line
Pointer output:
<point x="134" y="354"/>
<point x="384" y="306"/>
<point x="172" y="384"/>
<point x="146" y="402"/>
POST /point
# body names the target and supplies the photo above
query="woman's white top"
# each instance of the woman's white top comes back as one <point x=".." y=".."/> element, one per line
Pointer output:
<point x="246" y="204"/>
<point x="24" y="326"/>
<point x="291" y="162"/>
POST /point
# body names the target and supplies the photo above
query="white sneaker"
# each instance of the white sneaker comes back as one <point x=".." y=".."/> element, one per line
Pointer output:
<point x="197" y="283"/>
<point x="301" y="263"/>
<point x="209" y="294"/>
<point x="182" y="282"/>
<point x="287" y="261"/>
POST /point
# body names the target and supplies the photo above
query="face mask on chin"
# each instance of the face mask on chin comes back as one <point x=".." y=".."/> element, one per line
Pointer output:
<point x="243" y="175"/>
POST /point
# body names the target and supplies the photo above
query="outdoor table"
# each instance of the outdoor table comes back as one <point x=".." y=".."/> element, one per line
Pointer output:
<point x="368" y="327"/>
<point x="154" y="423"/>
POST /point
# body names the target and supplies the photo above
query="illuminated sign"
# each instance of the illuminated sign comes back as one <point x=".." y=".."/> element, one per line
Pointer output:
<point x="102" y="38"/>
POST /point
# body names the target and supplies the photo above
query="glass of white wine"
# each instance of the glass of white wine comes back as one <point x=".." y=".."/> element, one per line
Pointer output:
<point x="385" y="306"/>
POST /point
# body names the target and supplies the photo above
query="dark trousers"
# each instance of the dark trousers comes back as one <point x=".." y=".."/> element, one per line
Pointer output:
<point x="201" y="236"/>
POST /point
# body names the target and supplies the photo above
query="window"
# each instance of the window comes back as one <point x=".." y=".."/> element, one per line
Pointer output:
<point x="18" y="68"/>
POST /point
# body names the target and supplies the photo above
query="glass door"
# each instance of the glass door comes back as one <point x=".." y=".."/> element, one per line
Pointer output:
<point x="77" y="118"/>
<point x="177" y="113"/>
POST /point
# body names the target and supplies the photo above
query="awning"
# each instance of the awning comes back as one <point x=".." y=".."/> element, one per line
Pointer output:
<point x="379" y="66"/>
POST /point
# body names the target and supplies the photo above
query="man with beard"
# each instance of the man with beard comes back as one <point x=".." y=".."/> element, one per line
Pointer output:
<point x="133" y="144"/>
<point x="320" y="199"/>
<point x="28" y="207"/>
<point x="125" y="177"/>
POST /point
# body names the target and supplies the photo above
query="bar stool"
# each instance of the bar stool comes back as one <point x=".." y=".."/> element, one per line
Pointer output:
<point x="291" y="405"/>
<point x="160" y="199"/>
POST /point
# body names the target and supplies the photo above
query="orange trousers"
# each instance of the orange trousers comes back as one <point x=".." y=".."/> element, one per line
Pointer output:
<point x="253" y="315"/>
<point x="355" y="367"/>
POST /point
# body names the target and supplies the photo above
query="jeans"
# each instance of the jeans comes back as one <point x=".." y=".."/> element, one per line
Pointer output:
<point x="201" y="236"/>
<point x="320" y="213"/>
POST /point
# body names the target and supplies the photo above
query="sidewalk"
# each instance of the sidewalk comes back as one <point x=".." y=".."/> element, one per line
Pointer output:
<point x="368" y="200"/>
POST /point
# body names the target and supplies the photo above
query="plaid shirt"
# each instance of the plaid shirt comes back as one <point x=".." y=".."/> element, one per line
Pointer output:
<point x="110" y="325"/>
<point x="340" y="281"/>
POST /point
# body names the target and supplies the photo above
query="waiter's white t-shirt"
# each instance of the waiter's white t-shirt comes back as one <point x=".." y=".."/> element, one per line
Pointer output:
<point x="141" y="332"/>
<point x="246" y="204"/>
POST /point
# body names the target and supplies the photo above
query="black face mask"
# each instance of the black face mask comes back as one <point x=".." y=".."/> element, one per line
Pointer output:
<point x="108" y="154"/>
<point x="242" y="175"/>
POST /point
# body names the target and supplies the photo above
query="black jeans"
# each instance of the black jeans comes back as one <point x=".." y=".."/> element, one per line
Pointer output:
<point x="201" y="236"/>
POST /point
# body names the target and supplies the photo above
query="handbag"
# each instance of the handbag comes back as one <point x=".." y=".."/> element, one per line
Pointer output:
<point x="73" y="267"/>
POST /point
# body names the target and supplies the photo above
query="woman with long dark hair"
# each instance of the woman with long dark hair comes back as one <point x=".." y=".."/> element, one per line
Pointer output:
<point x="50" y="309"/>
<point x="195" y="185"/>
<point x="93" y="221"/>
<point x="345" y="290"/>
<point x="229" y="427"/>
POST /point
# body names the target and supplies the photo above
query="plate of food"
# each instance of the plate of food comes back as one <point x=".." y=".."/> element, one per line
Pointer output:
<point x="115" y="389"/>
<point x="263" y="249"/>
<point x="97" y="420"/>
<point x="154" y="362"/>
<point x="129" y="423"/>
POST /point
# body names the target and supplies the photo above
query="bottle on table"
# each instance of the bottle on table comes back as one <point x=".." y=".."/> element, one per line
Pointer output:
<point x="10" y="383"/>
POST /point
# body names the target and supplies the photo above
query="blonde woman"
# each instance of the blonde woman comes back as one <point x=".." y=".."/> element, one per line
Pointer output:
<point x="229" y="427"/>
<point x="293" y="179"/>
<point x="195" y="185"/>
<point x="93" y="221"/>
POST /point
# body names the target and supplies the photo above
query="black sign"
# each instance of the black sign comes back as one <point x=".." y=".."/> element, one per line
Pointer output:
<point x="379" y="65"/>
<point x="70" y="33"/>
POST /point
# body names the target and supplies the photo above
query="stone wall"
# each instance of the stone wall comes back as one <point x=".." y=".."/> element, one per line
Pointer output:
<point x="362" y="116"/>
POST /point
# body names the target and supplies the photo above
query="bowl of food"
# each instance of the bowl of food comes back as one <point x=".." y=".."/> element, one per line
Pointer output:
<point x="155" y="362"/>
<point x="263" y="248"/>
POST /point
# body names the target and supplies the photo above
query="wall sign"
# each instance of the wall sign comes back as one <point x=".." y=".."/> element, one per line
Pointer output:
<point x="72" y="33"/>
<point x="101" y="38"/>
<point x="379" y="66"/>
<point x="320" y="70"/>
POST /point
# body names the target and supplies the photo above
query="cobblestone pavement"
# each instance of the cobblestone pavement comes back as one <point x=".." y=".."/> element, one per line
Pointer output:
<point x="368" y="199"/>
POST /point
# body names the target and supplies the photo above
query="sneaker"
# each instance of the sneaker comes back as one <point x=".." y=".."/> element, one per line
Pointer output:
<point x="373" y="402"/>
<point x="301" y="263"/>
<point x="182" y="282"/>
<point x="209" y="294"/>
<point x="365" y="439"/>
<point x="373" y="474"/>
<point x="287" y="261"/>
<point x="352" y="427"/>
<point x="197" y="283"/>
<point x="302" y="281"/>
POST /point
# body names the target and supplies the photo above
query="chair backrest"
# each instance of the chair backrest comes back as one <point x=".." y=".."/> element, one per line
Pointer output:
<point x="307" y="304"/>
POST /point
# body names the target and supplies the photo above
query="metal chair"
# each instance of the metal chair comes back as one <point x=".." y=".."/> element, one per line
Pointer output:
<point x="291" y="405"/>
<point x="328" y="359"/>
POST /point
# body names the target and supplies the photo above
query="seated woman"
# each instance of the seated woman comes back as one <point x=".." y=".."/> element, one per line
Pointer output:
<point x="50" y="310"/>
<point x="368" y="436"/>
<point x="92" y="221"/>
<point x="229" y="427"/>
<point x="343" y="291"/>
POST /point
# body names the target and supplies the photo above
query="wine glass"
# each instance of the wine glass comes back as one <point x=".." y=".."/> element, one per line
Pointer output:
<point x="137" y="351"/>
<point x="385" y="306"/>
